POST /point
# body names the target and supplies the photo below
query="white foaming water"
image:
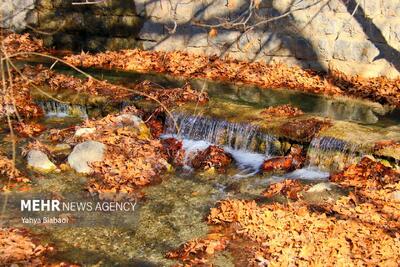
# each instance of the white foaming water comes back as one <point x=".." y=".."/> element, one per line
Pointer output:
<point x="61" y="110"/>
<point x="249" y="163"/>
<point x="247" y="160"/>
<point x="307" y="173"/>
<point x="240" y="136"/>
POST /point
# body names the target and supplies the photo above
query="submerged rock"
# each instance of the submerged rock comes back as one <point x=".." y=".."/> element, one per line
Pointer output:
<point x="321" y="187"/>
<point x="61" y="148"/>
<point x="85" y="153"/>
<point x="39" y="161"/>
<point x="288" y="188"/>
<point x="60" y="152"/>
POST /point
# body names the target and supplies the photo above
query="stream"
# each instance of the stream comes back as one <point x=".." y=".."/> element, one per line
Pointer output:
<point x="173" y="211"/>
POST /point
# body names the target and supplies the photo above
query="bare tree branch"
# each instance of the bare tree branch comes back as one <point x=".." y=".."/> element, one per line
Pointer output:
<point x="88" y="2"/>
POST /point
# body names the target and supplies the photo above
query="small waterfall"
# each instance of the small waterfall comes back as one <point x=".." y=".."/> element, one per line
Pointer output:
<point x="250" y="147"/>
<point x="332" y="154"/>
<point x="56" y="109"/>
<point x="247" y="145"/>
<point x="237" y="136"/>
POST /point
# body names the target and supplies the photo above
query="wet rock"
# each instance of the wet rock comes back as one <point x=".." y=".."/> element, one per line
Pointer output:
<point x="84" y="131"/>
<point x="293" y="161"/>
<point x="321" y="187"/>
<point x="278" y="163"/>
<point x="285" y="147"/>
<point x="59" y="152"/>
<point x="388" y="149"/>
<point x="84" y="154"/>
<point x="60" y="148"/>
<point x="173" y="148"/>
<point x="304" y="130"/>
<point x="212" y="157"/>
<point x="39" y="161"/>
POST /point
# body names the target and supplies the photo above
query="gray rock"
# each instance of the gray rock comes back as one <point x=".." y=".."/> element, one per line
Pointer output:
<point x="14" y="13"/>
<point x="85" y="153"/>
<point x="342" y="48"/>
<point x="84" y="131"/>
<point x="396" y="32"/>
<point x="324" y="49"/>
<point x="363" y="51"/>
<point x="359" y="51"/>
<point x="39" y="161"/>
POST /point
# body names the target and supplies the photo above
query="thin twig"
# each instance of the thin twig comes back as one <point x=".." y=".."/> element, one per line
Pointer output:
<point x="94" y="79"/>
<point x="87" y="2"/>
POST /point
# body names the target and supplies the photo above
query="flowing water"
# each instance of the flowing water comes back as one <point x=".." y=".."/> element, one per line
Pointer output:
<point x="57" y="109"/>
<point x="333" y="154"/>
<point x="173" y="210"/>
<point x="238" y="136"/>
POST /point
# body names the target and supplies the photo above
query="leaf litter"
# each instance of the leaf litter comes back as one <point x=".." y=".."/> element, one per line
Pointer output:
<point x="361" y="229"/>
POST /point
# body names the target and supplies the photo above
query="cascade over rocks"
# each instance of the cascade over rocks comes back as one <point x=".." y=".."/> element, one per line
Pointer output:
<point x="122" y="153"/>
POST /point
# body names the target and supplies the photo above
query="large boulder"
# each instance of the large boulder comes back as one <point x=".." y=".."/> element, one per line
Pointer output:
<point x="38" y="161"/>
<point x="85" y="153"/>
